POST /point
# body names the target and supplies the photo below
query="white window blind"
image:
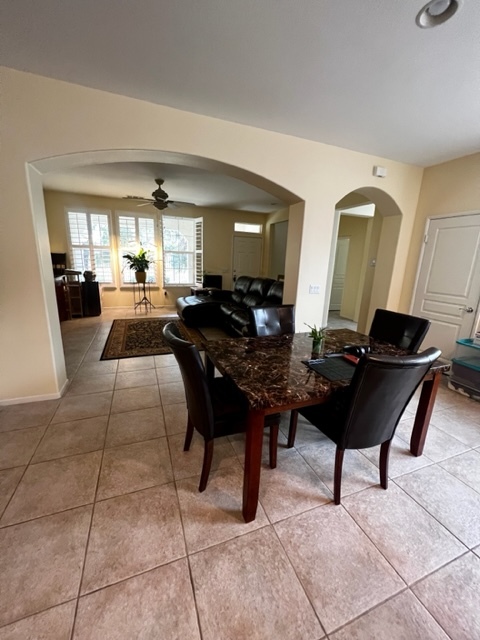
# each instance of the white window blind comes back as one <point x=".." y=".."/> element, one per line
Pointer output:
<point x="135" y="231"/>
<point x="90" y="245"/>
<point x="182" y="250"/>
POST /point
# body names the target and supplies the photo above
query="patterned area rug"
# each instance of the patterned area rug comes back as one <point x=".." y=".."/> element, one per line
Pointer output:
<point x="133" y="338"/>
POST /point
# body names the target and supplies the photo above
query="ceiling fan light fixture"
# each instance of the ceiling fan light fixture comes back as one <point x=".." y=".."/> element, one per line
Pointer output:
<point x="436" y="12"/>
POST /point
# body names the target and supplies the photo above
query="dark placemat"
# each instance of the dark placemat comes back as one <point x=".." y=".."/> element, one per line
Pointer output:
<point x="333" y="368"/>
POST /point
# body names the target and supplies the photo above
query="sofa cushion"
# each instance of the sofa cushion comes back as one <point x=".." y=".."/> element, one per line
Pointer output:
<point x="274" y="294"/>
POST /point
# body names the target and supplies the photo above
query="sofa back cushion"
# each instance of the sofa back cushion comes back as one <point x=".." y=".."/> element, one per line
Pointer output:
<point x="275" y="293"/>
<point x="257" y="292"/>
<point x="242" y="285"/>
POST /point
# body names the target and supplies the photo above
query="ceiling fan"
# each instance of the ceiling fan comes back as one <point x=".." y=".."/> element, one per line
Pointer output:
<point x="159" y="199"/>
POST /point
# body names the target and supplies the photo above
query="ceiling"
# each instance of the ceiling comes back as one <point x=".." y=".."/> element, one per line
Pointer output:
<point x="355" y="74"/>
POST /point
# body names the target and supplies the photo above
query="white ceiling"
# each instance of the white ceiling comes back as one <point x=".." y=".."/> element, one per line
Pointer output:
<point x="356" y="74"/>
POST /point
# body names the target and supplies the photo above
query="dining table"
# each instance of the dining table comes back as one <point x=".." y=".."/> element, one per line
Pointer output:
<point x="273" y="375"/>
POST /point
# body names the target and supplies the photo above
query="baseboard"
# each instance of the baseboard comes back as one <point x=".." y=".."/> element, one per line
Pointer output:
<point x="41" y="398"/>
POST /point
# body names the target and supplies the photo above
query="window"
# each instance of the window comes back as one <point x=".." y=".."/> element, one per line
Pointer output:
<point x="182" y="250"/>
<point x="90" y="246"/>
<point x="135" y="231"/>
<point x="247" y="227"/>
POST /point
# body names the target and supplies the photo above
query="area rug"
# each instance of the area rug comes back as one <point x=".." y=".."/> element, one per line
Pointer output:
<point x="133" y="338"/>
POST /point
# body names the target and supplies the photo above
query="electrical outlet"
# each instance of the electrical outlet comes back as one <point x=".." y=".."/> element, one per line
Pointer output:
<point x="314" y="288"/>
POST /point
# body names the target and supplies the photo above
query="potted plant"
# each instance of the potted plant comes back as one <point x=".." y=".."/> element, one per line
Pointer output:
<point x="318" y="336"/>
<point x="138" y="262"/>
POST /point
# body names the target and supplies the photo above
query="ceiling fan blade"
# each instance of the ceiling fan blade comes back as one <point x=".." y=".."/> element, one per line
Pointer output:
<point x="177" y="204"/>
<point x="146" y="203"/>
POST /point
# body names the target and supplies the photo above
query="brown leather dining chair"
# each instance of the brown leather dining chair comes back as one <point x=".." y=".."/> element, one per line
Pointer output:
<point x="215" y="406"/>
<point x="272" y="321"/>
<point x="399" y="329"/>
<point x="366" y="413"/>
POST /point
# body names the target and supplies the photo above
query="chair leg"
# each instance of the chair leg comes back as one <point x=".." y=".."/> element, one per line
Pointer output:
<point x="292" y="431"/>
<point x="207" y="463"/>
<point x="337" y="479"/>
<point x="273" y="445"/>
<point x="188" y="435"/>
<point x="384" y="457"/>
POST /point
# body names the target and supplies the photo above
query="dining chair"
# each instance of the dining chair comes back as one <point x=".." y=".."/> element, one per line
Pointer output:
<point x="272" y="321"/>
<point x="215" y="406"/>
<point x="399" y="329"/>
<point x="366" y="413"/>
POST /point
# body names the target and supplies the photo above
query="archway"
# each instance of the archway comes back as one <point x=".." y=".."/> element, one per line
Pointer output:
<point x="370" y="269"/>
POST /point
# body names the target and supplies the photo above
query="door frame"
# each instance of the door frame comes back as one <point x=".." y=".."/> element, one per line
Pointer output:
<point x="428" y="221"/>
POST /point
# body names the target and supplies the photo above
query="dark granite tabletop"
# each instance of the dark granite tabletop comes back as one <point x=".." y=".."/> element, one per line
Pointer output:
<point x="270" y="373"/>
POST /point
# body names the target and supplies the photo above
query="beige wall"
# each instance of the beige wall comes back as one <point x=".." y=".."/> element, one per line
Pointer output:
<point x="447" y="188"/>
<point x="48" y="125"/>
<point x="218" y="232"/>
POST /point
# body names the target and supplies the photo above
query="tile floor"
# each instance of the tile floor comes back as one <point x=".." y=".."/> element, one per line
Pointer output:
<point x="103" y="533"/>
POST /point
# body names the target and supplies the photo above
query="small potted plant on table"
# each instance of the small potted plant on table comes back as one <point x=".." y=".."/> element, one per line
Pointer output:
<point x="138" y="262"/>
<point x="318" y="336"/>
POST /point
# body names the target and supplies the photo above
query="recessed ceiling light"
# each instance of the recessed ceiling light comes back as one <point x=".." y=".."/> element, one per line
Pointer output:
<point x="437" y="12"/>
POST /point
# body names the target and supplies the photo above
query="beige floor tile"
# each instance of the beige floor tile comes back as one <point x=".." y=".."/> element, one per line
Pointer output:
<point x="136" y="364"/>
<point x="403" y="616"/>
<point x="135" y="426"/>
<point x="49" y="487"/>
<point x="291" y="488"/>
<point x="452" y="595"/>
<point x="342" y="572"/>
<point x="93" y="355"/>
<point x="131" y="379"/>
<point x="72" y="438"/>
<point x="137" y="398"/>
<point x="133" y="467"/>
<point x="53" y="624"/>
<point x="41" y="563"/>
<point x="410" y="539"/>
<point x="88" y="369"/>
<point x="272" y="603"/>
<point x="176" y="416"/>
<point x="168" y="374"/>
<point x="438" y="446"/>
<point x="358" y="472"/>
<point x="9" y="479"/>
<point x="215" y="515"/>
<point x="448" y="499"/>
<point x="92" y="384"/>
<point x="189" y="463"/>
<point x="167" y="360"/>
<point x="465" y="467"/>
<point x="17" y="447"/>
<point x="79" y="407"/>
<point x="460" y="425"/>
<point x="401" y="461"/>
<point x="306" y="434"/>
<point x="157" y="604"/>
<point x="131" y="534"/>
<point x="30" y="414"/>
<point x="172" y="393"/>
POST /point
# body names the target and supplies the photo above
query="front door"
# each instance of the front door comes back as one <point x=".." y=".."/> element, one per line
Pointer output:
<point x="448" y="288"/>
<point x="247" y="256"/>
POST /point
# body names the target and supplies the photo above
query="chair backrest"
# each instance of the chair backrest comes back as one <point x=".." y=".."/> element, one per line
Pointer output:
<point x="195" y="381"/>
<point x="381" y="388"/>
<point x="399" y="329"/>
<point x="272" y="321"/>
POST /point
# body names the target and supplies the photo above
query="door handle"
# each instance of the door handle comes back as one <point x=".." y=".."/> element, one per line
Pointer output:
<point x="466" y="309"/>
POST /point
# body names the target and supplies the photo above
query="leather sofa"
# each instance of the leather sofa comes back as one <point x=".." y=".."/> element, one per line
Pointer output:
<point x="230" y="309"/>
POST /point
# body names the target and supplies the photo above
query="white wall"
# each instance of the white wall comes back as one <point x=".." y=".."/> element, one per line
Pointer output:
<point x="46" y="122"/>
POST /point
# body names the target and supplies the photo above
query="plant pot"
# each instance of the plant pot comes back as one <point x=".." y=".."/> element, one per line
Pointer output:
<point x="318" y="348"/>
<point x="141" y="276"/>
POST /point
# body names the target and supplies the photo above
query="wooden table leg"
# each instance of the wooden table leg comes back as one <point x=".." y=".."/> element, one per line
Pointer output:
<point x="253" y="461"/>
<point x="424" y="413"/>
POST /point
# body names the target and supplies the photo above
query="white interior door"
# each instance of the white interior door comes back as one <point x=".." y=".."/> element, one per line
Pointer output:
<point x="247" y="256"/>
<point x="339" y="271"/>
<point x="448" y="288"/>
